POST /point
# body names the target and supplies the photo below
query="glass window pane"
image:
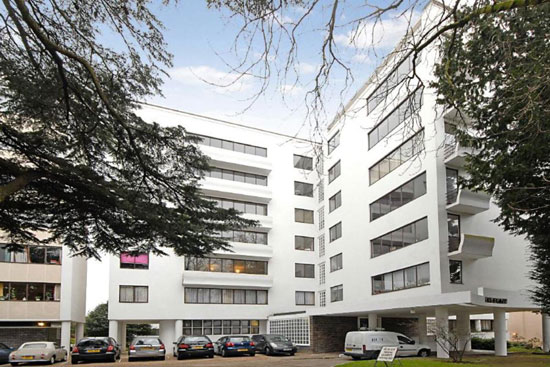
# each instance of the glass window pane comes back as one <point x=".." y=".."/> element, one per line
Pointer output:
<point x="36" y="292"/>
<point x="423" y="274"/>
<point x="421" y="230"/>
<point x="227" y="296"/>
<point x="398" y="280"/>
<point x="215" y="296"/>
<point x="37" y="254"/>
<point x="53" y="255"/>
<point x="410" y="277"/>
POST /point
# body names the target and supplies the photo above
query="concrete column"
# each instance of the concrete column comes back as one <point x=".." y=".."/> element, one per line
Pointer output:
<point x="122" y="333"/>
<point x="113" y="330"/>
<point x="422" y="329"/>
<point x="500" y="333"/>
<point x="463" y="331"/>
<point x="178" y="329"/>
<point x="66" y="335"/>
<point x="545" y="333"/>
<point x="442" y="326"/>
<point x="79" y="331"/>
<point x="167" y="330"/>
<point x="373" y="321"/>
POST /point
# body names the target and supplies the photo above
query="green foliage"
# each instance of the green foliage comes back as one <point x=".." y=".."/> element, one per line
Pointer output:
<point x="415" y="362"/>
<point x="496" y="71"/>
<point x="485" y="343"/>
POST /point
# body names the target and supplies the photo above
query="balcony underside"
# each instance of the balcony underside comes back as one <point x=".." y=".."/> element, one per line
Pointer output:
<point x="469" y="202"/>
<point x="472" y="247"/>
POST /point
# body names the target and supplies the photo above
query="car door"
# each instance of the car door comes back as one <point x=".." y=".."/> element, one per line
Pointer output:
<point x="57" y="352"/>
<point x="407" y="346"/>
<point x="4" y="353"/>
<point x="217" y="344"/>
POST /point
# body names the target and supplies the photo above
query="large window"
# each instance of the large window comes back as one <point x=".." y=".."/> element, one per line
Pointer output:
<point x="335" y="201"/>
<point x="213" y="264"/>
<point x="455" y="270"/>
<point x="334" y="142"/>
<point x="245" y="237"/>
<point x="335" y="232"/>
<point x="321" y="239"/>
<point x="336" y="263"/>
<point x="396" y="158"/>
<point x="245" y="177"/>
<point x="32" y="292"/>
<point x="304" y="270"/>
<point x="334" y="172"/>
<point x="452" y="185"/>
<point x="305" y="298"/>
<point x="303" y="243"/>
<point x="240" y="206"/>
<point x="129" y="260"/>
<point x="303" y="189"/>
<point x="322" y="298"/>
<point x="411" y="277"/>
<point x="402" y="112"/>
<point x="133" y="294"/>
<point x="231" y="145"/>
<point x="220" y="327"/>
<point x="303" y="162"/>
<point x="226" y="296"/>
<point x="303" y="216"/>
<point x="322" y="276"/>
<point x="399" y="238"/>
<point x="404" y="194"/>
<point x="321" y="215"/>
<point x="337" y="293"/>
<point x="453" y="226"/>
<point x="33" y="254"/>
<point x="296" y="329"/>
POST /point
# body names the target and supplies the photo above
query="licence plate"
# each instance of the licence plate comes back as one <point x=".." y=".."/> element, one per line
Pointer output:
<point x="146" y="348"/>
<point x="287" y="349"/>
<point x="93" y="351"/>
<point x="27" y="357"/>
<point x="197" y="347"/>
<point x="242" y="350"/>
<point x="349" y="349"/>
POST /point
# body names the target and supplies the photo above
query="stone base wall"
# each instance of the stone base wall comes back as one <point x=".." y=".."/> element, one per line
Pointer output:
<point x="328" y="333"/>
<point x="14" y="337"/>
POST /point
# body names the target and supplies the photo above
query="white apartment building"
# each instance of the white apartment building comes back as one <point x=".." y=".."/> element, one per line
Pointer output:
<point x="383" y="237"/>
<point x="42" y="295"/>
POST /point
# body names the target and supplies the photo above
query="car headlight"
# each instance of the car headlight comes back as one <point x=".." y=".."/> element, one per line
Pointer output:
<point x="274" y="345"/>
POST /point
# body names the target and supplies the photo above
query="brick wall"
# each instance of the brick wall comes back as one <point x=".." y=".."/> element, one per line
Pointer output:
<point x="14" y="337"/>
<point x="328" y="333"/>
<point x="407" y="326"/>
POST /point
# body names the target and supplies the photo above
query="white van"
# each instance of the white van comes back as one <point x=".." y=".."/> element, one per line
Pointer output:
<point x="367" y="344"/>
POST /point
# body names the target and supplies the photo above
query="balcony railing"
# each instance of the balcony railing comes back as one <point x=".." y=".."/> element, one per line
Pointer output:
<point x="449" y="149"/>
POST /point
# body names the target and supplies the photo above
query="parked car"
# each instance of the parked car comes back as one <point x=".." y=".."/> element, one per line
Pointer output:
<point x="234" y="345"/>
<point x="38" y="352"/>
<point x="367" y="344"/>
<point x="146" y="347"/>
<point x="270" y="344"/>
<point x="95" y="349"/>
<point x="193" y="346"/>
<point x="5" y="353"/>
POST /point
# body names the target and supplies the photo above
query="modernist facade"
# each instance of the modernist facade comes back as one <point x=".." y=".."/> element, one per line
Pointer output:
<point x="374" y="232"/>
<point x="42" y="295"/>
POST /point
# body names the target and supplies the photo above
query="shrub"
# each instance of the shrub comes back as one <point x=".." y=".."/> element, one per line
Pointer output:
<point x="485" y="344"/>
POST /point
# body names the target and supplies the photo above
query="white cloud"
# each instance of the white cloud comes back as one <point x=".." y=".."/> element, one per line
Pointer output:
<point x="362" y="59"/>
<point x="306" y="68"/>
<point x="291" y="90"/>
<point x="204" y="76"/>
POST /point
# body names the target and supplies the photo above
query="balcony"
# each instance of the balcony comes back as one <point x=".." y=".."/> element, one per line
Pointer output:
<point x="26" y="310"/>
<point x="462" y="201"/>
<point x="226" y="280"/>
<point x="265" y="222"/>
<point x="235" y="190"/>
<point x="250" y="251"/>
<point x="470" y="247"/>
<point x="228" y="159"/>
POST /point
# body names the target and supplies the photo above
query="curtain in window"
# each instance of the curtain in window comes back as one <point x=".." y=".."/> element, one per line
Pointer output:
<point x="141" y="294"/>
<point x="126" y="294"/>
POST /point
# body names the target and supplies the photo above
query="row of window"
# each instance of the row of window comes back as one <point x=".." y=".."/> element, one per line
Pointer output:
<point x="245" y="237"/>
<point x="304" y="243"/>
<point x="225" y="296"/>
<point x="303" y="216"/>
<point x="402" y="112"/>
<point x="303" y="162"/>
<point x="399" y="238"/>
<point x="397" y="157"/>
<point x="227" y="174"/>
<point x="33" y="255"/>
<point x="404" y="194"/>
<point x="220" y="327"/>
<point x="225" y="265"/>
<point x="411" y="277"/>
<point x="32" y="292"/>
<point x="231" y="145"/>
<point x="240" y="206"/>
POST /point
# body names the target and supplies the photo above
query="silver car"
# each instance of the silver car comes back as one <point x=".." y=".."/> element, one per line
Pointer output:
<point x="146" y="347"/>
<point x="38" y="352"/>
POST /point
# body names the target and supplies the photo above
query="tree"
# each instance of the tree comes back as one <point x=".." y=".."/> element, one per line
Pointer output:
<point x="451" y="341"/>
<point x="76" y="162"/>
<point x="497" y="75"/>
<point x="97" y="324"/>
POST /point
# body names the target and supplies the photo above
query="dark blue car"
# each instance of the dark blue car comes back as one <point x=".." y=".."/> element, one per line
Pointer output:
<point x="5" y="353"/>
<point x="234" y="345"/>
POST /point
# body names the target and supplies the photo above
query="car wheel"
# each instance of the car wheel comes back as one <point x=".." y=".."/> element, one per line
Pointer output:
<point x="65" y="357"/>
<point x="423" y="353"/>
<point x="224" y="353"/>
<point x="211" y="355"/>
<point x="14" y="364"/>
<point x="113" y="358"/>
<point x="180" y="356"/>
<point x="355" y="358"/>
<point x="52" y="360"/>
<point x="268" y="351"/>
<point x="292" y="353"/>
<point x="252" y="354"/>
<point x="162" y="358"/>
<point x="74" y="360"/>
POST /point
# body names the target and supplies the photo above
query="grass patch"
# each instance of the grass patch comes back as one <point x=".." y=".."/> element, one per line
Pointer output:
<point x="416" y="362"/>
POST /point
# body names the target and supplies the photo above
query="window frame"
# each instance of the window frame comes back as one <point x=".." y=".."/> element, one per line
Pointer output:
<point x="339" y="262"/>
<point x="303" y="213"/>
<point x="305" y="299"/>
<point x="340" y="291"/>
<point x="304" y="192"/>
<point x="134" y="287"/>
<point x="338" y="232"/>
<point x="305" y="267"/>
<point x="299" y="162"/>
<point x="304" y="248"/>
<point x="330" y="142"/>
<point x="334" y="172"/>
<point x="337" y="203"/>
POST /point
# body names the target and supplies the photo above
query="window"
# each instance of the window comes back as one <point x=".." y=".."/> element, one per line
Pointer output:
<point x="396" y="158"/>
<point x="321" y="214"/>
<point x="219" y="327"/>
<point x="31" y="292"/>
<point x="337" y="293"/>
<point x="33" y="254"/>
<point x="486" y="325"/>
<point x="335" y="202"/>
<point x="336" y="263"/>
<point x="453" y="226"/>
<point x="134" y="261"/>
<point x="334" y="172"/>
<point x="240" y="206"/>
<point x="225" y="296"/>
<point x="303" y="162"/>
<point x="455" y="270"/>
<point x="303" y="243"/>
<point x="296" y="329"/>
<point x="402" y="112"/>
<point x="411" y="277"/>
<point x="322" y="273"/>
<point x="401" y="237"/>
<point x="304" y="270"/>
<point x="404" y="194"/>
<point x="226" y="174"/>
<point x="322" y="245"/>
<point x="305" y="298"/>
<point x="212" y="264"/>
<point x="335" y="232"/>
<point x="230" y="145"/>
<point x="133" y="294"/>
<point x="452" y="185"/>
<point x="334" y="142"/>
<point x="245" y="237"/>
<point x="322" y="298"/>
<point x="303" y="216"/>
<point x="303" y="189"/>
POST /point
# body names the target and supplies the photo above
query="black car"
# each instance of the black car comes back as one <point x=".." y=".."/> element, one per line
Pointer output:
<point x="274" y="344"/>
<point x="95" y="349"/>
<point x="5" y="353"/>
<point x="193" y="346"/>
<point x="234" y="345"/>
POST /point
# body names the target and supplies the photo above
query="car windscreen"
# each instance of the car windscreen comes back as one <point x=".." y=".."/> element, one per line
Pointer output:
<point x="277" y="338"/>
<point x="196" y="339"/>
<point x="33" y="346"/>
<point x="239" y="339"/>
<point x="94" y="343"/>
<point x="148" y="341"/>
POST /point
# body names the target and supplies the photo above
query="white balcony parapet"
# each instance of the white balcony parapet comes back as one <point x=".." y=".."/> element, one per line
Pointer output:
<point x="455" y="155"/>
<point x="235" y="190"/>
<point x="228" y="159"/>
<point x="249" y="251"/>
<point x="226" y="280"/>
<point x="472" y="247"/>
<point x="464" y="201"/>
